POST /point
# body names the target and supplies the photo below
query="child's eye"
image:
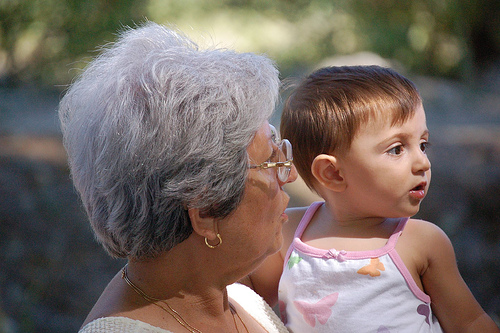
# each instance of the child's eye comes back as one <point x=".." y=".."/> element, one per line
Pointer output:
<point x="397" y="150"/>
<point x="424" y="146"/>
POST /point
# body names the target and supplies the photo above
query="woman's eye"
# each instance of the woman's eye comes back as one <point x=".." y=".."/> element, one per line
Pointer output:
<point x="275" y="156"/>
<point x="424" y="146"/>
<point x="396" y="150"/>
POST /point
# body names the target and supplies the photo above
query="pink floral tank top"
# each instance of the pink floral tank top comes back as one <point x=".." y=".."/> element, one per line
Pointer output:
<point x="351" y="291"/>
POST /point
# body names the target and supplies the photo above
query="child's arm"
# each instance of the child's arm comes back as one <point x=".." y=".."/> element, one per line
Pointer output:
<point x="452" y="302"/>
<point x="265" y="279"/>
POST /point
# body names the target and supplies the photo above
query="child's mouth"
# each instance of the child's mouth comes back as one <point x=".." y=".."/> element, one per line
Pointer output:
<point x="418" y="192"/>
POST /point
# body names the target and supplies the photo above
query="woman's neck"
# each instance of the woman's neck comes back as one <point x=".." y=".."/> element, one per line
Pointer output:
<point x="187" y="283"/>
<point x="179" y="273"/>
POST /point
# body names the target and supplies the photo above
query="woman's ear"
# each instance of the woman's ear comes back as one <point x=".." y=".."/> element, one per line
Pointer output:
<point x="203" y="224"/>
<point x="326" y="169"/>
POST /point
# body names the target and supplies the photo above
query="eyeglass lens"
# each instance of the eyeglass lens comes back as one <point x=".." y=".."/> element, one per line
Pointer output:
<point x="285" y="149"/>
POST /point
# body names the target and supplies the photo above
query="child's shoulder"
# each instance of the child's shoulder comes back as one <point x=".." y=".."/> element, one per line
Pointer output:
<point x="423" y="226"/>
<point x="422" y="243"/>
<point x="426" y="233"/>
<point x="294" y="214"/>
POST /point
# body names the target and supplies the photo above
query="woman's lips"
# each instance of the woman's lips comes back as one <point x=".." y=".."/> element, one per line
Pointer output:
<point x="284" y="217"/>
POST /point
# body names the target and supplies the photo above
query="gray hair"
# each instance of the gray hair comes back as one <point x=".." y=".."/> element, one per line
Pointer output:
<point x="155" y="125"/>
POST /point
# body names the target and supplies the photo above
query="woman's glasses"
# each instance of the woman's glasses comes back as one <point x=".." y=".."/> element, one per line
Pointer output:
<point x="283" y="157"/>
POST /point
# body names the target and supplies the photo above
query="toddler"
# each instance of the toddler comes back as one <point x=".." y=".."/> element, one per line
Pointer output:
<point x="357" y="262"/>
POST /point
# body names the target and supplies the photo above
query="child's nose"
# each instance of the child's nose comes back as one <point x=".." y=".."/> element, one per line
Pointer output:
<point x="422" y="162"/>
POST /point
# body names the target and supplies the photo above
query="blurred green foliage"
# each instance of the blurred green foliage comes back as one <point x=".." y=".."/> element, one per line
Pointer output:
<point x="43" y="40"/>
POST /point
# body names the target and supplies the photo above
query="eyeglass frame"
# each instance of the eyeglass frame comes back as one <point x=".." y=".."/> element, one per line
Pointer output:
<point x="286" y="164"/>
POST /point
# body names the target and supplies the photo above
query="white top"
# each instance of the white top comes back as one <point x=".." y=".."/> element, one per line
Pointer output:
<point x="244" y="296"/>
<point x="351" y="291"/>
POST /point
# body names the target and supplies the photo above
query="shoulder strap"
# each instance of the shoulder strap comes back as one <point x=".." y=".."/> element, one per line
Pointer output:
<point x="304" y="222"/>
<point x="397" y="232"/>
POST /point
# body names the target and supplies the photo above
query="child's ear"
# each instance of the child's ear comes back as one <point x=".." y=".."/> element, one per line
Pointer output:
<point x="325" y="168"/>
<point x="203" y="224"/>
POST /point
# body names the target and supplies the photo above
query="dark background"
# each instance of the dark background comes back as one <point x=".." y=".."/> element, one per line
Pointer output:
<point x="52" y="270"/>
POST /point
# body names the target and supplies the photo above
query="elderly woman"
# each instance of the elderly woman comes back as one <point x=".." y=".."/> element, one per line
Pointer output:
<point x="180" y="172"/>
